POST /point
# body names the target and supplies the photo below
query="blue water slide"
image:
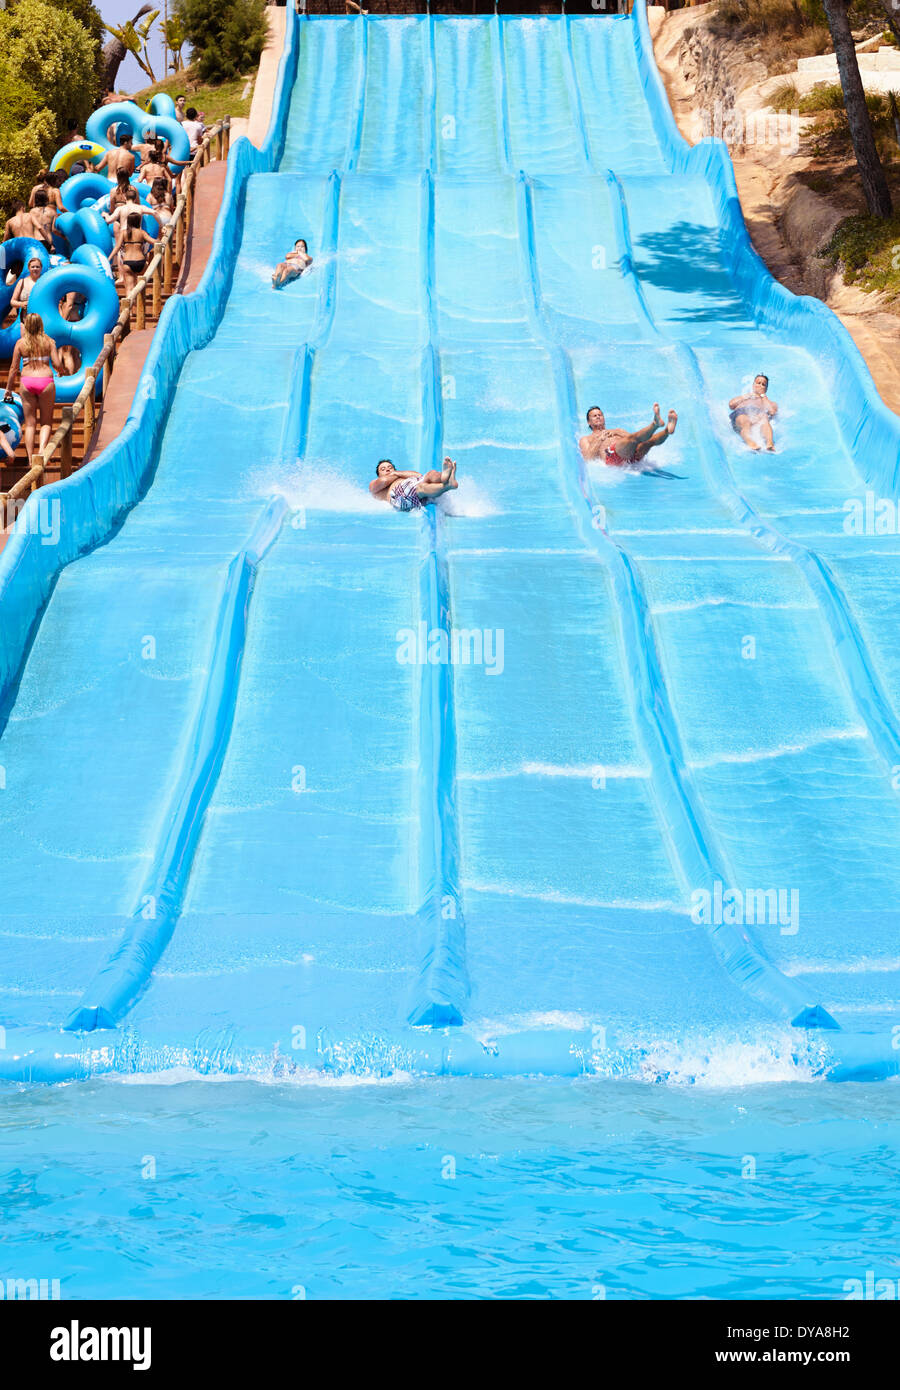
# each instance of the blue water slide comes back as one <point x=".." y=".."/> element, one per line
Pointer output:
<point x="582" y="771"/>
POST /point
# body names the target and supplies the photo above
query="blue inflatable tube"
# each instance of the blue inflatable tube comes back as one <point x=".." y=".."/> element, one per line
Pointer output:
<point x="141" y="124"/>
<point x="83" y="190"/>
<point x="20" y="250"/>
<point x="85" y="226"/>
<point x="10" y="336"/>
<point x="94" y="259"/>
<point x="17" y="251"/>
<point x="86" y="334"/>
<point x="12" y="417"/>
<point x="161" y="105"/>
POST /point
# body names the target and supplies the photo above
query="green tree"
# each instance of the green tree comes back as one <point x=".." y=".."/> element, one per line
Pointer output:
<point x="226" y="36"/>
<point x="48" y="77"/>
<point x="88" y="17"/>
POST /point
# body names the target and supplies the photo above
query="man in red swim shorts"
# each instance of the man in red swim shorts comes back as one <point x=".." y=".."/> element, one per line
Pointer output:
<point x="618" y="447"/>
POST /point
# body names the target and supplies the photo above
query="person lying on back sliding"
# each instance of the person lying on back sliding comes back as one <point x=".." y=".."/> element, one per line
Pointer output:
<point x="408" y="491"/>
<point x="618" y="447"/>
<point x="756" y="409"/>
<point x="294" y="264"/>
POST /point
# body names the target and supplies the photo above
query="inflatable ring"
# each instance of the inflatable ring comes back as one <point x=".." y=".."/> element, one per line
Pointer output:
<point x="83" y="190"/>
<point x="84" y="334"/>
<point x="10" y="336"/>
<point x="85" y="226"/>
<point x="83" y="151"/>
<point x="19" y="250"/>
<point x="162" y="105"/>
<point x="12" y="418"/>
<point x="102" y="204"/>
<point x="141" y="123"/>
<point x="92" y="256"/>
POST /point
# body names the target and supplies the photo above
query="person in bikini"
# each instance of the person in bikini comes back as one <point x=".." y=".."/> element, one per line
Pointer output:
<point x="294" y="264"/>
<point x="154" y="167"/>
<point x="34" y="357"/>
<point x="132" y="241"/>
<point x="123" y="195"/>
<point x="161" y="201"/>
<point x="25" y="285"/>
<point x="747" y="412"/>
<point x="409" y="491"/>
<point x="619" y="447"/>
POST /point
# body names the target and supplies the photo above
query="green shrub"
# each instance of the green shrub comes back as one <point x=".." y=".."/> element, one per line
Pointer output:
<point x="867" y="251"/>
<point x="227" y="36"/>
<point x="22" y="154"/>
<point x="48" y="77"/>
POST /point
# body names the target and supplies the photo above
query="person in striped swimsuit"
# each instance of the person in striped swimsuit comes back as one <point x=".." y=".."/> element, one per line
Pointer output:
<point x="407" y="492"/>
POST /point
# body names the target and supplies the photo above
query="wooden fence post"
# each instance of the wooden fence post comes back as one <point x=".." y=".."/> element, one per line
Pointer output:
<point x="89" y="405"/>
<point x="179" y="237"/>
<point x="65" y="450"/>
<point x="167" y="266"/>
<point x="109" y="343"/>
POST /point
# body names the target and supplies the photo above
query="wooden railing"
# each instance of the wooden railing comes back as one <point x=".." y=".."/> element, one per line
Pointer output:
<point x="159" y="278"/>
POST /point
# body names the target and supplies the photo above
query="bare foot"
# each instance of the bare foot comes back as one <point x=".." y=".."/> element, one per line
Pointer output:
<point x="451" y="465"/>
<point x="673" y="421"/>
<point x="657" y="418"/>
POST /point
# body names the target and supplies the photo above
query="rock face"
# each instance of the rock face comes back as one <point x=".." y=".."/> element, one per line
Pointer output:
<point x="718" y="70"/>
<point x="719" y="86"/>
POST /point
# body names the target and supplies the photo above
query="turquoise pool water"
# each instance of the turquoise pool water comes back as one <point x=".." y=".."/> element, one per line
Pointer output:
<point x="562" y="1189"/>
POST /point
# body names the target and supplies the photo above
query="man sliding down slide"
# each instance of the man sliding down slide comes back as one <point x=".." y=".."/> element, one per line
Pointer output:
<point x="409" y="491"/>
<point x="617" y="447"/>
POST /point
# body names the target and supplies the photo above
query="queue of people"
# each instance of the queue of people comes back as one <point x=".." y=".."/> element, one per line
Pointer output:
<point x="36" y="356"/>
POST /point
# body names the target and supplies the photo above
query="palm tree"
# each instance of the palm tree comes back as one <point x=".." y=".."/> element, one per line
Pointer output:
<point x="874" y="183"/>
<point x="130" y="37"/>
<point x="176" y="38"/>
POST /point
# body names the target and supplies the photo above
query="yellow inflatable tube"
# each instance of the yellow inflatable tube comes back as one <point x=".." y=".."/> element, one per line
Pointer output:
<point x="85" y="151"/>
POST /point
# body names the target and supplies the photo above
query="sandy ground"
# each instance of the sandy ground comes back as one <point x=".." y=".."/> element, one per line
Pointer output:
<point x="786" y="220"/>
